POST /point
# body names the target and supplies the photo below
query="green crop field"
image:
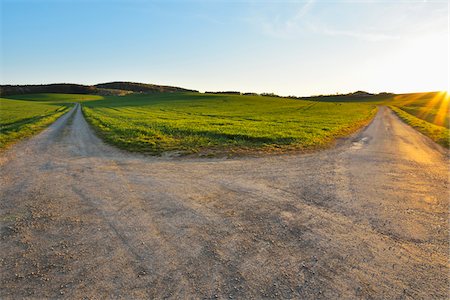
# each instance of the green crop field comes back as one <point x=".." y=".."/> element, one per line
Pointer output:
<point x="192" y="122"/>
<point x="24" y="115"/>
<point x="208" y="123"/>
<point x="20" y="119"/>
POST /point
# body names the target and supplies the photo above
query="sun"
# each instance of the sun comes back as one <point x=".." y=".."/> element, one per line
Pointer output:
<point x="443" y="108"/>
<point x="446" y="95"/>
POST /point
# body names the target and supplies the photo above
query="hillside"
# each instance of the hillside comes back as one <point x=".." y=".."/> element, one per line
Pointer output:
<point x="108" y="89"/>
<point x="141" y="87"/>
<point x="63" y="88"/>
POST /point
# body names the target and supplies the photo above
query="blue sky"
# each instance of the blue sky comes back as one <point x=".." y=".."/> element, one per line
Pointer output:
<point x="285" y="47"/>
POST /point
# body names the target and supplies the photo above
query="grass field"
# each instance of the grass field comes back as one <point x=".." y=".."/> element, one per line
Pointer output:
<point x="426" y="112"/>
<point x="20" y="119"/>
<point x="193" y="122"/>
<point x="24" y="115"/>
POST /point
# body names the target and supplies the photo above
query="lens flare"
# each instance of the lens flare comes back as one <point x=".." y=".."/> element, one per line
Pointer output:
<point x="442" y="114"/>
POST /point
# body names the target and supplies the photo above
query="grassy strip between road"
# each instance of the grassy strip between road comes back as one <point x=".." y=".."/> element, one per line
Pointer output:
<point x="21" y="119"/>
<point x="439" y="134"/>
<point x="209" y="124"/>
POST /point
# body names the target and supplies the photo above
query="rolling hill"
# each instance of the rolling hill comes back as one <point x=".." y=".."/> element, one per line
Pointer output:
<point x="109" y="88"/>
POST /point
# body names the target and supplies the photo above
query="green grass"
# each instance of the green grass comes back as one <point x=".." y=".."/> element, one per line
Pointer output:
<point x="210" y="123"/>
<point x="20" y="119"/>
<point x="193" y="122"/>
<point x="426" y="112"/>
<point x="24" y="115"/>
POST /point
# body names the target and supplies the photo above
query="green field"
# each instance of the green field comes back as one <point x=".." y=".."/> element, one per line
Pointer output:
<point x="20" y="119"/>
<point x="24" y="115"/>
<point x="426" y="112"/>
<point x="193" y="122"/>
<point x="209" y="123"/>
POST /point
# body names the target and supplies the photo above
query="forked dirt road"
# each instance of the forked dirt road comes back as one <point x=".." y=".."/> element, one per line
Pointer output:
<point x="367" y="219"/>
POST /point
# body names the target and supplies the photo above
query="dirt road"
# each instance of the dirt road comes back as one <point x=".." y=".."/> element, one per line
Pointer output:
<point x="367" y="219"/>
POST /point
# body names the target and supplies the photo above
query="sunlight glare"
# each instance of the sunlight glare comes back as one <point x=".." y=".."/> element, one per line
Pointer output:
<point x="442" y="114"/>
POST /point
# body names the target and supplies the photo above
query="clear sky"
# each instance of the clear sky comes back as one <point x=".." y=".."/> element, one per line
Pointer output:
<point x="286" y="47"/>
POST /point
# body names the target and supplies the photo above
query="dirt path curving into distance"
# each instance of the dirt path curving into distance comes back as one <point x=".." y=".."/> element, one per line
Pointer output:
<point x="367" y="219"/>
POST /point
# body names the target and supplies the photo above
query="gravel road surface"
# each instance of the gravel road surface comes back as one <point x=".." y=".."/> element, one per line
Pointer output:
<point x="366" y="219"/>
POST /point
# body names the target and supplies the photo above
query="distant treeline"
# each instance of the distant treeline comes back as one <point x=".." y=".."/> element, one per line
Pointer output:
<point x="334" y="97"/>
<point x="142" y="87"/>
<point x="111" y="88"/>
<point x="356" y="96"/>
<point x="63" y="88"/>
<point x="123" y="88"/>
<point x="225" y="92"/>
<point x="245" y="94"/>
